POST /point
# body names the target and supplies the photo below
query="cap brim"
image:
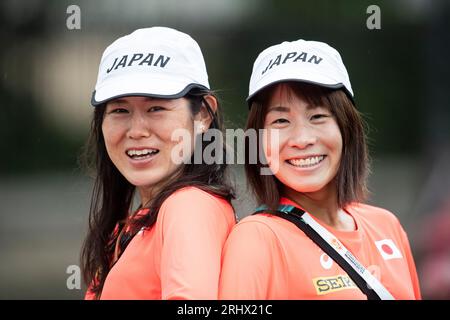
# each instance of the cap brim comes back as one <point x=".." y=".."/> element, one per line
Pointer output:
<point x="331" y="86"/>
<point x="145" y="86"/>
<point x="312" y="78"/>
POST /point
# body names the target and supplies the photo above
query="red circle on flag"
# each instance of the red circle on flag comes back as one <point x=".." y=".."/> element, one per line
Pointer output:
<point x="387" y="249"/>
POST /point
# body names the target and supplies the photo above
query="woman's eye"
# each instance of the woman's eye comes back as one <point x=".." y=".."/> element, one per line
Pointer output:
<point x="155" y="109"/>
<point x="319" y="116"/>
<point x="280" y="121"/>
<point x="118" y="110"/>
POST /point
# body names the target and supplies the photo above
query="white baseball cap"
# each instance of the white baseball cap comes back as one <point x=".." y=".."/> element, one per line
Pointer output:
<point x="305" y="61"/>
<point x="158" y="62"/>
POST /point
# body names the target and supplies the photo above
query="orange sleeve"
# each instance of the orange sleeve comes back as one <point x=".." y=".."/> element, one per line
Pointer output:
<point x="411" y="265"/>
<point x="195" y="226"/>
<point x="247" y="262"/>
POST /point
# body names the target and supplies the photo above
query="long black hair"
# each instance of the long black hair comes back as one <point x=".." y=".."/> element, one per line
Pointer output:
<point x="112" y="194"/>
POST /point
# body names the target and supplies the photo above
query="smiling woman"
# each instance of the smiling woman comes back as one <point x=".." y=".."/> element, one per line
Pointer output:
<point x="171" y="246"/>
<point x="313" y="237"/>
<point x="138" y="137"/>
<point x="300" y="125"/>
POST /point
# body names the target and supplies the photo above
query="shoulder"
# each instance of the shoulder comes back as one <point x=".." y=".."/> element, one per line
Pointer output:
<point x="192" y="202"/>
<point x="261" y="221"/>
<point x="195" y="196"/>
<point x="252" y="236"/>
<point x="264" y="226"/>
<point x="264" y="221"/>
<point x="263" y="238"/>
<point x="374" y="215"/>
<point x="371" y="211"/>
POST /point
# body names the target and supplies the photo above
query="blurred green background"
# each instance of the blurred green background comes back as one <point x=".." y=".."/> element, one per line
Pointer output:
<point x="400" y="75"/>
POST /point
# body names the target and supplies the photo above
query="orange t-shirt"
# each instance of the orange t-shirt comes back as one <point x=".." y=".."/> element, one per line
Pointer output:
<point x="179" y="256"/>
<point x="268" y="257"/>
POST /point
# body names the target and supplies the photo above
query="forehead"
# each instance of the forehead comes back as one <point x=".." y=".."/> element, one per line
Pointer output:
<point x="284" y="98"/>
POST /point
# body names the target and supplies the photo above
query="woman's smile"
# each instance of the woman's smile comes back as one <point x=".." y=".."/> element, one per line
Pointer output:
<point x="308" y="162"/>
<point x="141" y="157"/>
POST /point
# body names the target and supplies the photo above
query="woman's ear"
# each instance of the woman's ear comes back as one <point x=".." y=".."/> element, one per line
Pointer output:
<point x="204" y="115"/>
<point x="212" y="101"/>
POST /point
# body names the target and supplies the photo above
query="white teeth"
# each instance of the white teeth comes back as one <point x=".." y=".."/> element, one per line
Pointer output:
<point x="306" y="162"/>
<point x="144" y="152"/>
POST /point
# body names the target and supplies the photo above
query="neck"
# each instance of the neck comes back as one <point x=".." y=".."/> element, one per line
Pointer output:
<point x="146" y="194"/>
<point x="149" y="192"/>
<point x="323" y="205"/>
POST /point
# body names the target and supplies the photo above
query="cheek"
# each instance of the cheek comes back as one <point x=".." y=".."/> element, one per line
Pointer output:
<point x="338" y="142"/>
<point x="271" y="143"/>
<point x="335" y="145"/>
<point x="178" y="140"/>
<point x="111" y="135"/>
<point x="339" y="151"/>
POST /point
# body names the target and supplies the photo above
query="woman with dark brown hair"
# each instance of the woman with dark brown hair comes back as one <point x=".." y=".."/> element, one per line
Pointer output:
<point x="312" y="237"/>
<point x="152" y="106"/>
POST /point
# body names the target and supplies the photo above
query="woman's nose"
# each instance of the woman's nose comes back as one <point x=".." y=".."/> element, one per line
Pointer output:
<point x="139" y="127"/>
<point x="302" y="137"/>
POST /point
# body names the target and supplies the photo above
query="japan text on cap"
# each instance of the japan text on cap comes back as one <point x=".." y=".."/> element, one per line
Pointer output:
<point x="157" y="62"/>
<point x="306" y="61"/>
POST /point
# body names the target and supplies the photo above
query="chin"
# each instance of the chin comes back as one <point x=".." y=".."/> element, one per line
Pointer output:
<point x="304" y="187"/>
<point x="140" y="181"/>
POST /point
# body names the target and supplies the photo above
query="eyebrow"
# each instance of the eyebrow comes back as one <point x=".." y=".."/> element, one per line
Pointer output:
<point x="279" y="109"/>
<point x="288" y="109"/>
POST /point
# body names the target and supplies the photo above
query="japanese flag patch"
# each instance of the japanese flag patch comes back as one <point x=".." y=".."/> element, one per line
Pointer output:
<point x="388" y="249"/>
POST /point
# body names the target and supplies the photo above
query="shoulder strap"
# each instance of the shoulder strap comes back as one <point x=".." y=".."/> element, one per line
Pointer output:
<point x="365" y="281"/>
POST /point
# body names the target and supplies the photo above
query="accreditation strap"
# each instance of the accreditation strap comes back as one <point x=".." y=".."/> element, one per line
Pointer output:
<point x="362" y="277"/>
